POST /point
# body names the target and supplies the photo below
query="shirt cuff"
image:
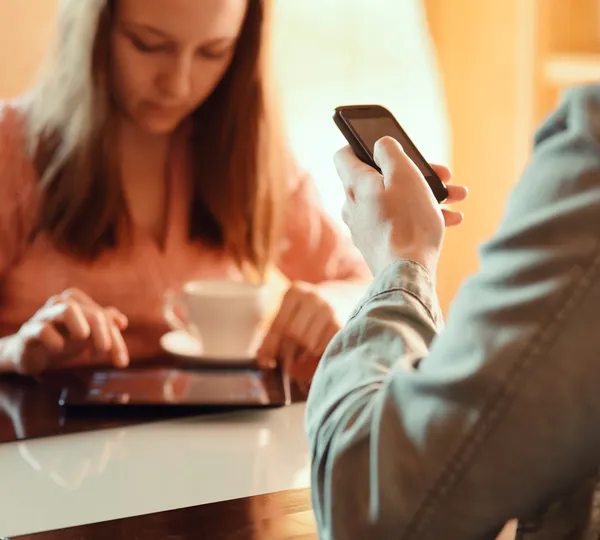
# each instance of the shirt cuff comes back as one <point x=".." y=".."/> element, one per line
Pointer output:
<point x="404" y="277"/>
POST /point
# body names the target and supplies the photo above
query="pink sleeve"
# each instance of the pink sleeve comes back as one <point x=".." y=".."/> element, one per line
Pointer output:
<point x="314" y="249"/>
<point x="17" y="185"/>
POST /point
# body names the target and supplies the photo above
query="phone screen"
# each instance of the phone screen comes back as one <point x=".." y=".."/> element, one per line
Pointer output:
<point x="372" y="129"/>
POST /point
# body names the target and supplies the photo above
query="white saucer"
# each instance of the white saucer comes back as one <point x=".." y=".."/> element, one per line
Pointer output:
<point x="180" y="343"/>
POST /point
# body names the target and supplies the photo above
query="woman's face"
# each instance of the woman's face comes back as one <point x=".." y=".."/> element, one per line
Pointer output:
<point x="169" y="55"/>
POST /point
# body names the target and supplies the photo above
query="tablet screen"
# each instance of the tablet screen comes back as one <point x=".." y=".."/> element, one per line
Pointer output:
<point x="167" y="386"/>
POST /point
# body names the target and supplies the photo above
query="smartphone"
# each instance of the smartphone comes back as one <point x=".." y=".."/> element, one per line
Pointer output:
<point x="364" y="125"/>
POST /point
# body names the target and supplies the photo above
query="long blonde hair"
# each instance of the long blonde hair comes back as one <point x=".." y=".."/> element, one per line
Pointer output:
<point x="71" y="119"/>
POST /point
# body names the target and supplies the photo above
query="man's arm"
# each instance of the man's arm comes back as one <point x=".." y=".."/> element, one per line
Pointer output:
<point x="498" y="416"/>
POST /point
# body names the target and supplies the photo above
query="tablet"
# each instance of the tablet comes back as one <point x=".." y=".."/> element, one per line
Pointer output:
<point x="173" y="387"/>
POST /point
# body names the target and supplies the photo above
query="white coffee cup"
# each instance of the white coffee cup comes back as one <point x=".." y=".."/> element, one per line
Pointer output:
<point x="224" y="316"/>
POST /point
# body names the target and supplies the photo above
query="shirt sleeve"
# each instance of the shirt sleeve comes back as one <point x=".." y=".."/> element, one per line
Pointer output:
<point x="417" y="432"/>
<point x="17" y="187"/>
<point x="313" y="248"/>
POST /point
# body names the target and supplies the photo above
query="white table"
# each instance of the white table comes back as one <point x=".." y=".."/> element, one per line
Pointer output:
<point x="71" y="480"/>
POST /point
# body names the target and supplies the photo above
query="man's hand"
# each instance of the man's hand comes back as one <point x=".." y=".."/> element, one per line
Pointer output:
<point x="394" y="215"/>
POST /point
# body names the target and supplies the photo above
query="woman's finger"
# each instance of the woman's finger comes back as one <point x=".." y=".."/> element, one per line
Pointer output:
<point x="323" y="328"/>
<point x="78" y="296"/>
<point x="70" y="315"/>
<point x="76" y="321"/>
<point x="304" y="368"/>
<point x="117" y="317"/>
<point x="119" y="352"/>
<point x="289" y="353"/>
<point x="301" y="327"/>
<point x="271" y="345"/>
<point x="43" y="332"/>
<point x="266" y="363"/>
<point x="452" y="218"/>
<point x="100" y="333"/>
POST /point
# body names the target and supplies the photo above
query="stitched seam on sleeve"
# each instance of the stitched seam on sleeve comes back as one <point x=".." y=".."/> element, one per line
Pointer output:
<point x="392" y="290"/>
<point x="459" y="462"/>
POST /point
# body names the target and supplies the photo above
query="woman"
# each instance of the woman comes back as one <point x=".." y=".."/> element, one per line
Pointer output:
<point x="146" y="156"/>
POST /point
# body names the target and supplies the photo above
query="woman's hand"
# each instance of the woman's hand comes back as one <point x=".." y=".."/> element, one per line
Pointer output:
<point x="70" y="329"/>
<point x="301" y="330"/>
<point x="394" y="215"/>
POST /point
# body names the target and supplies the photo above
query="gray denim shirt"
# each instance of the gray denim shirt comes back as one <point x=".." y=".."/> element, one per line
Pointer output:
<point x="419" y="432"/>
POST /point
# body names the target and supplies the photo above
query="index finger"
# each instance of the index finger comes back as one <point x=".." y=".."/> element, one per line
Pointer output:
<point x="120" y="354"/>
<point x="79" y="296"/>
<point x="350" y="168"/>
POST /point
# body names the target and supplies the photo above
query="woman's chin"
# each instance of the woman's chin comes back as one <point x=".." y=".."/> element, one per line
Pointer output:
<point x="154" y="124"/>
<point x="159" y="127"/>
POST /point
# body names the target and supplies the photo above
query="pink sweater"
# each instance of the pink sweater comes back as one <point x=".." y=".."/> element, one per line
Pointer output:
<point x="134" y="279"/>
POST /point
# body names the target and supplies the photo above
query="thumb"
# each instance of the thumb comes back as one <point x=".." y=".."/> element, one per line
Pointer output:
<point x="398" y="169"/>
<point x="390" y="158"/>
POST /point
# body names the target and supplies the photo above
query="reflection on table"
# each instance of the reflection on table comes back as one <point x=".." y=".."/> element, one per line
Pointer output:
<point x="29" y="408"/>
<point x="278" y="516"/>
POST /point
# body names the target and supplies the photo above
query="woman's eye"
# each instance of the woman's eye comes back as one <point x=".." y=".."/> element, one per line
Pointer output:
<point x="213" y="54"/>
<point x="145" y="48"/>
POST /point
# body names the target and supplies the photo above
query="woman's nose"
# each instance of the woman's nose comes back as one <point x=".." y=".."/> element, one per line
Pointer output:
<point x="176" y="81"/>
